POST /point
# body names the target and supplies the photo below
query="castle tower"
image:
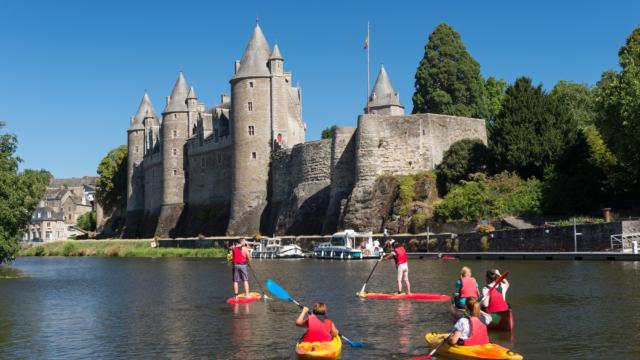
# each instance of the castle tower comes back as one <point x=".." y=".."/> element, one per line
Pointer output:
<point x="175" y="131"/>
<point x="252" y="136"/>
<point x="384" y="100"/>
<point x="151" y="128"/>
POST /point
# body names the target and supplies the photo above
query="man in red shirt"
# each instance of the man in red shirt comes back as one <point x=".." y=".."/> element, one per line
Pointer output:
<point x="241" y="258"/>
<point x="399" y="254"/>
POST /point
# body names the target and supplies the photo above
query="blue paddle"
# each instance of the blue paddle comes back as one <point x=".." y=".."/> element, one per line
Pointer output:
<point x="281" y="293"/>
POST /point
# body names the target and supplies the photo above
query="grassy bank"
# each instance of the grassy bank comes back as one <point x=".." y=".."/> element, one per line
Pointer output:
<point x="115" y="248"/>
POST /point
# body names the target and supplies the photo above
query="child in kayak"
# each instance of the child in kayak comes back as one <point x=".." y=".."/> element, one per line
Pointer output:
<point x="399" y="255"/>
<point x="496" y="301"/>
<point x="241" y="258"/>
<point x="319" y="328"/>
<point x="471" y="329"/>
<point x="466" y="287"/>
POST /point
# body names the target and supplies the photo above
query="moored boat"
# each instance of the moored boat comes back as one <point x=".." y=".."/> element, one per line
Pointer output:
<point x="489" y="351"/>
<point x="272" y="248"/>
<point x="349" y="245"/>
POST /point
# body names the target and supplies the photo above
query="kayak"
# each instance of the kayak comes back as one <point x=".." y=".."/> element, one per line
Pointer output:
<point x="487" y="351"/>
<point x="242" y="299"/>
<point x="403" y="296"/>
<point x="320" y="350"/>
<point x="500" y="321"/>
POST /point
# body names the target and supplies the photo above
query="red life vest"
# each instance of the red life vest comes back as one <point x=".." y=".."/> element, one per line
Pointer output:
<point x="496" y="301"/>
<point x="479" y="335"/>
<point x="238" y="256"/>
<point x="469" y="287"/>
<point x="318" y="330"/>
<point x="401" y="255"/>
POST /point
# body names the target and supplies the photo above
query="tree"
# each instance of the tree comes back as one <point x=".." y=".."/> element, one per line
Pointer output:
<point x="578" y="99"/>
<point x="329" y="132"/>
<point x="448" y="79"/>
<point x="19" y="195"/>
<point x="463" y="158"/>
<point x="617" y="98"/>
<point x="493" y="97"/>
<point x="532" y="130"/>
<point x="87" y="221"/>
<point x="111" y="185"/>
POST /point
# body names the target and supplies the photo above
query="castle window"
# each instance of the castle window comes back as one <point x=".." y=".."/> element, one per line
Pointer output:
<point x="423" y="133"/>
<point x="250" y="106"/>
<point x="254" y="155"/>
<point x="252" y="129"/>
<point x="174" y="133"/>
<point x="175" y="116"/>
<point x="136" y="148"/>
<point x="175" y="172"/>
<point x="175" y="152"/>
<point x="251" y="84"/>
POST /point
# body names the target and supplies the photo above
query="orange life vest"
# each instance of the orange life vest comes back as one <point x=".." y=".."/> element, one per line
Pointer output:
<point x="479" y="334"/>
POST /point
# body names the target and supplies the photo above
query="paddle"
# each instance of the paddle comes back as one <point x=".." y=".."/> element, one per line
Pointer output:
<point x="281" y="293"/>
<point x="371" y="273"/>
<point x="264" y="294"/>
<point x="430" y="355"/>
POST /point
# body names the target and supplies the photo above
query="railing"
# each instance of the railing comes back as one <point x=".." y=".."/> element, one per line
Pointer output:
<point x="623" y="241"/>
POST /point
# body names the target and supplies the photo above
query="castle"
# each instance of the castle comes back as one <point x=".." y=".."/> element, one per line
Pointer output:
<point x="243" y="166"/>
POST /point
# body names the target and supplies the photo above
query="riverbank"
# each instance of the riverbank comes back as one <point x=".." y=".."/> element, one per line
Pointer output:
<point x="115" y="248"/>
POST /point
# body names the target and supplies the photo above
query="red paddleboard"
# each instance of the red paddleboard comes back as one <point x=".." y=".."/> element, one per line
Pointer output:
<point x="448" y="257"/>
<point x="412" y="296"/>
<point x="242" y="299"/>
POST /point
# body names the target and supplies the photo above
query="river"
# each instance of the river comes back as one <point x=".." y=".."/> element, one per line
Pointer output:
<point x="106" y="308"/>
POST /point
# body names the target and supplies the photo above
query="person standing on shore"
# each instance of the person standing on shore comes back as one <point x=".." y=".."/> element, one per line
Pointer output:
<point x="399" y="255"/>
<point x="241" y="258"/>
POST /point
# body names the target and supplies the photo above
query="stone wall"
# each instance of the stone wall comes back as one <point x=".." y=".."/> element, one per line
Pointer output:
<point x="300" y="186"/>
<point x="343" y="171"/>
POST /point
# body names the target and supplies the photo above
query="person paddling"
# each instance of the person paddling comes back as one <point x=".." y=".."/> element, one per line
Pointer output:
<point x="319" y="327"/>
<point x="399" y="255"/>
<point x="240" y="257"/>
<point x="496" y="300"/>
<point x="466" y="287"/>
<point x="471" y="329"/>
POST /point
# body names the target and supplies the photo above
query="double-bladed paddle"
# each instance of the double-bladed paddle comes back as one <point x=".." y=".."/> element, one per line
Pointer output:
<point x="281" y="293"/>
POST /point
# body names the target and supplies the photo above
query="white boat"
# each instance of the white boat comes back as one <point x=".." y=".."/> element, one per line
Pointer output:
<point x="348" y="245"/>
<point x="272" y="248"/>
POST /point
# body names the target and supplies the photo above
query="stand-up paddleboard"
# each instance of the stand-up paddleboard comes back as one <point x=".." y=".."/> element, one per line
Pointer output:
<point x="403" y="296"/>
<point x="242" y="299"/>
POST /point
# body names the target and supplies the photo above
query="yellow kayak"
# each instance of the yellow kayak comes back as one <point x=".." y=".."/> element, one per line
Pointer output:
<point x="487" y="351"/>
<point x="320" y="350"/>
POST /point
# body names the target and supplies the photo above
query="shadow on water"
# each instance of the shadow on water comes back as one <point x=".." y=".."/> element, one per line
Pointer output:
<point x="9" y="272"/>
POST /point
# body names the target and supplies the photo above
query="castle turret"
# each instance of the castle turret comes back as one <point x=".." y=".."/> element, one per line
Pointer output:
<point x="175" y="131"/>
<point x="384" y="100"/>
<point x="252" y="136"/>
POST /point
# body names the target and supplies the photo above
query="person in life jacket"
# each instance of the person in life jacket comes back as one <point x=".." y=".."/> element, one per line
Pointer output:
<point x="399" y="255"/>
<point x="471" y="329"/>
<point x="240" y="258"/>
<point x="319" y="327"/>
<point x="466" y="287"/>
<point x="496" y="300"/>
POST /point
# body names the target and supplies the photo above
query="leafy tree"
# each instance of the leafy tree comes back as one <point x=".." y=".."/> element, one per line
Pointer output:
<point x="111" y="185"/>
<point x="448" y="79"/>
<point x="468" y="201"/>
<point x="87" y="221"/>
<point x="578" y="99"/>
<point x="328" y="132"/>
<point x="532" y="130"/>
<point x="19" y="195"/>
<point x="617" y="98"/>
<point x="493" y="97"/>
<point x="463" y="158"/>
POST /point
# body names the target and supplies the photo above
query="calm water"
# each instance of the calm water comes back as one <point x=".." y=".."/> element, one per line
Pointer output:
<point x="79" y="308"/>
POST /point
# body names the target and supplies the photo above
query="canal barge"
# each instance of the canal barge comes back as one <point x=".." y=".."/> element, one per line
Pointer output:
<point x="272" y="248"/>
<point x="349" y="245"/>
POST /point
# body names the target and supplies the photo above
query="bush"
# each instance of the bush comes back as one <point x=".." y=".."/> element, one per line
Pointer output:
<point x="39" y="251"/>
<point x="113" y="251"/>
<point x="87" y="221"/>
<point x="463" y="158"/>
<point x="407" y="190"/>
<point x="69" y="249"/>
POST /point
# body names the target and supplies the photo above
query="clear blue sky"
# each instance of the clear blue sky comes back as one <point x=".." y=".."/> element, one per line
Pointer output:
<point x="72" y="72"/>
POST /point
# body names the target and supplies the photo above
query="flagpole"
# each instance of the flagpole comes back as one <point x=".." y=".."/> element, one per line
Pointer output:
<point x="368" y="65"/>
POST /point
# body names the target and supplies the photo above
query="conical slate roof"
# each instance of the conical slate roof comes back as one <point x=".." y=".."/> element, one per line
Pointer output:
<point x="383" y="93"/>
<point x="145" y="110"/>
<point x="275" y="55"/>
<point x="192" y="93"/>
<point x="178" y="101"/>
<point x="255" y="58"/>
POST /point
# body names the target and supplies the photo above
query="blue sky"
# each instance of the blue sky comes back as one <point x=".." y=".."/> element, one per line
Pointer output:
<point x="72" y="72"/>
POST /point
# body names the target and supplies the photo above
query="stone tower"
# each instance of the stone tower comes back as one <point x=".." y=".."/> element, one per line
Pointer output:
<point x="175" y="131"/>
<point x="136" y="150"/>
<point x="252" y="136"/>
<point x="384" y="100"/>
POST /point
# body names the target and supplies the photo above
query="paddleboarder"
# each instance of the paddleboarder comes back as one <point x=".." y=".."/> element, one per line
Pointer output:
<point x="496" y="300"/>
<point x="319" y="327"/>
<point x="471" y="329"/>
<point x="241" y="258"/>
<point x="466" y="287"/>
<point x="399" y="255"/>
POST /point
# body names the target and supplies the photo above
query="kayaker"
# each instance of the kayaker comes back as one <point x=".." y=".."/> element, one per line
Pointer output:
<point x="319" y="328"/>
<point x="399" y="255"/>
<point x="241" y="258"/>
<point x="471" y="329"/>
<point x="496" y="301"/>
<point x="466" y="287"/>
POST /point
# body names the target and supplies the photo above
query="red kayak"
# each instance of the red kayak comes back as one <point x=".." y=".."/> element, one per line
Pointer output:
<point x="405" y="296"/>
<point x="242" y="299"/>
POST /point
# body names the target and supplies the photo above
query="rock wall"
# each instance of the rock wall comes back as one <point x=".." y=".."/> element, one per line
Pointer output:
<point x="343" y="172"/>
